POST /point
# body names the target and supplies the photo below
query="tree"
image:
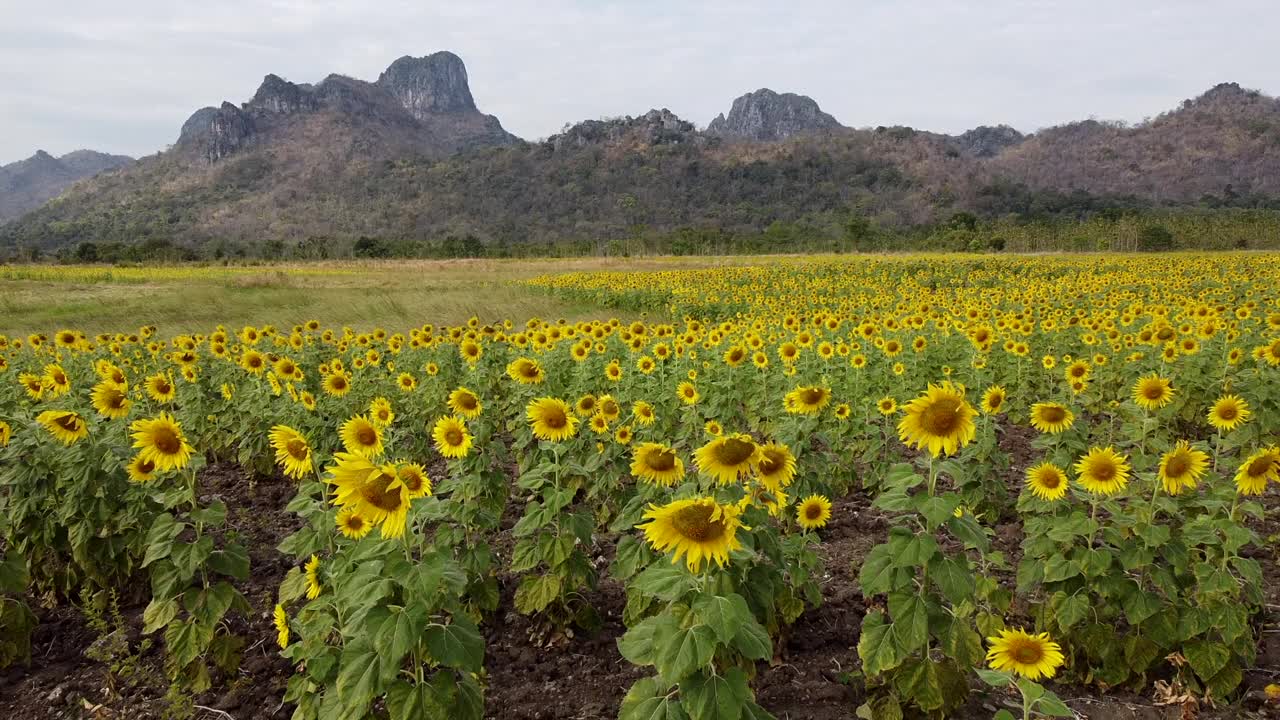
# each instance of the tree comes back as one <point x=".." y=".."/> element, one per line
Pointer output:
<point x="1155" y="238"/>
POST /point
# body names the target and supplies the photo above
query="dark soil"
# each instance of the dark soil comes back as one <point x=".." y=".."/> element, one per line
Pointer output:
<point x="530" y="676"/>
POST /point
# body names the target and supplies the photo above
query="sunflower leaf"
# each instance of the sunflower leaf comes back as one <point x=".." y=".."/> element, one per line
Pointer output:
<point x="458" y="644"/>
<point x="722" y="614"/>
<point x="716" y="697"/>
<point x="680" y="652"/>
<point x="665" y="581"/>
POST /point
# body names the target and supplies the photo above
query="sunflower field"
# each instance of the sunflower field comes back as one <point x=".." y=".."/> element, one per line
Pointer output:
<point x="1068" y="460"/>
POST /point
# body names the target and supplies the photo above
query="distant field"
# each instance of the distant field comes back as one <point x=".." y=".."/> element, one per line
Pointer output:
<point x="98" y="298"/>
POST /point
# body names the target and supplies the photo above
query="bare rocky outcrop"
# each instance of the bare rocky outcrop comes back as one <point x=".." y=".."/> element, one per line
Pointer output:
<point x="767" y="116"/>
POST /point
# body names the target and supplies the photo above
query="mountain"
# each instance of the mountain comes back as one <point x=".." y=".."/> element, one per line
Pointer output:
<point x="767" y="116"/>
<point x="26" y="184"/>
<point x="408" y="161"/>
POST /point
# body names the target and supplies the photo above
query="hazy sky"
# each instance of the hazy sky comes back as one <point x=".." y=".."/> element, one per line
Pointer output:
<point x="122" y="76"/>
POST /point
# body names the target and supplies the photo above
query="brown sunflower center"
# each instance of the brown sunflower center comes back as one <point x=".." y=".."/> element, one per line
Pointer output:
<point x="366" y="435"/>
<point x="1260" y="467"/>
<point x="1227" y="412"/>
<point x="695" y="523"/>
<point x="378" y="493"/>
<point x="554" y="418"/>
<point x="70" y="423"/>
<point x="411" y="479"/>
<point x="733" y="452"/>
<point x="1153" y="391"/>
<point x="661" y="460"/>
<point x="1102" y="470"/>
<point x="1050" y="480"/>
<point x="1027" y="653"/>
<point x="812" y="396"/>
<point x="146" y="467"/>
<point x="166" y="440"/>
<point x="1053" y="414"/>
<point x="941" y="418"/>
<point x="467" y="401"/>
<point x="297" y="449"/>
<point x="1177" y="465"/>
<point x="812" y="511"/>
<point x="453" y="436"/>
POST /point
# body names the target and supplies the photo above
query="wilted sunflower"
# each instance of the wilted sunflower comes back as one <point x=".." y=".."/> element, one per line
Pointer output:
<point x="993" y="400"/>
<point x="161" y="441"/>
<point x="293" y="454"/>
<point x="1260" y="467"/>
<point x="696" y="529"/>
<point x="1229" y="413"/>
<point x="941" y="420"/>
<point x="807" y="400"/>
<point x="465" y="403"/>
<point x="1047" y="481"/>
<point x="65" y="425"/>
<point x="1102" y="471"/>
<point x="141" y="470"/>
<point x="451" y="437"/>
<point x="161" y="388"/>
<point x="361" y="436"/>
<point x="551" y="419"/>
<point x="110" y="400"/>
<point x="1152" y="392"/>
<point x="526" y="371"/>
<point x="729" y="458"/>
<point x="813" y="512"/>
<point x="1051" y="417"/>
<point x="777" y="466"/>
<point x="1031" y="656"/>
<point x="656" y="463"/>
<point x="1182" y="467"/>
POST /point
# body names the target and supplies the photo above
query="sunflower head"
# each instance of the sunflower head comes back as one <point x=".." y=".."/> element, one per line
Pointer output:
<point x="813" y="512"/>
<point x="1031" y="656"/>
<point x="452" y="439"/>
<point x="940" y="420"/>
<point x="1182" y="467"/>
<point x="1102" y="471"/>
<point x="1047" y="481"/>
<point x="1050" y="417"/>
<point x="728" y="458"/>
<point x="1229" y="413"/>
<point x="656" y="463"/>
<point x="1152" y="392"/>
<point x="362" y="436"/>
<point x="698" y="530"/>
<point x="551" y="419"/>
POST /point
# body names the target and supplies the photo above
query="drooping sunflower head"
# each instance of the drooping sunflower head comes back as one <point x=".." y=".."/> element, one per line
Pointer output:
<point x="940" y="420"/>
<point x="657" y="463"/>
<point x="465" y="403"/>
<point x="777" y="466"/>
<point x="813" y="512"/>
<point x="1182" y="467"/>
<point x="1051" y="417"/>
<point x="551" y="419"/>
<point x="1031" y="656"/>
<point x="1152" y="392"/>
<point x="696" y="529"/>
<point x="1102" y="471"/>
<point x="1047" y="481"/>
<point x="728" y="458"/>
<point x="414" y="478"/>
<point x="1256" y="470"/>
<point x="361" y="436"/>
<point x="452" y="439"/>
<point x="293" y="453"/>
<point x="1229" y="413"/>
<point x="807" y="400"/>
<point x="110" y="400"/>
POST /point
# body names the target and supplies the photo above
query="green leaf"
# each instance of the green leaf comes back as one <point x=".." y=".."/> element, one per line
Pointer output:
<point x="722" y="614"/>
<point x="969" y="532"/>
<point x="1070" y="609"/>
<point x="396" y="635"/>
<point x="918" y="680"/>
<point x="953" y="578"/>
<point x="536" y="592"/>
<point x="232" y="561"/>
<point x="995" y="678"/>
<point x="648" y="700"/>
<point x="716" y="697"/>
<point x="752" y="640"/>
<point x="911" y="550"/>
<point x="878" y="648"/>
<point x="665" y="581"/>
<point x="1206" y="658"/>
<point x="407" y="701"/>
<point x="910" y="619"/>
<point x="679" y="652"/>
<point x="215" y="514"/>
<point x="1058" y="568"/>
<point x="358" y="672"/>
<point x="293" y="586"/>
<point x="879" y="573"/>
<point x="185" y="641"/>
<point x="458" y="644"/>
<point x="158" y="614"/>
<point x="13" y="575"/>
<point x="164" y="530"/>
<point x="637" y="645"/>
<point x="525" y="556"/>
<point x="1053" y="706"/>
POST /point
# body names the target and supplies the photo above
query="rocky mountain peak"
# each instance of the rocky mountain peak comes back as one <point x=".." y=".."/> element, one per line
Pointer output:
<point x="767" y="116"/>
<point x="656" y="127"/>
<point x="987" y="140"/>
<point x="278" y="95"/>
<point x="436" y="83"/>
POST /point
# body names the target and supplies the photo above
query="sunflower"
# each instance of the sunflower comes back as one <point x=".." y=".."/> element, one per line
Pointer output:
<point x="33" y="384"/>
<point x="56" y="381"/>
<point x="1047" y="481"/>
<point x="526" y="371"/>
<point x="687" y="393"/>
<point x="728" y="458"/>
<point x="406" y="382"/>
<point x="1102" y="471"/>
<point x="110" y="400"/>
<point x="6" y="433"/>
<point x="1031" y="656"/>
<point x="451" y="437"/>
<point x="293" y="454"/>
<point x="1152" y="392"/>
<point x="66" y="426"/>
<point x="777" y="466"/>
<point x="713" y="428"/>
<point x="551" y="419"/>
<point x="623" y="435"/>
<point x="281" y="621"/>
<point x="337" y="384"/>
<point x="313" y="577"/>
<point x="887" y="406"/>
<point x="696" y="529"/>
<point x="465" y="403"/>
<point x="941" y="420"/>
<point x="141" y="470"/>
<point x="414" y="478"/>
<point x="1182" y="467"/>
<point x="1051" y="417"/>
<point x="351" y="524"/>
<point x="807" y="400"/>
<point x="1256" y="470"/>
<point x="161" y="388"/>
<point x="643" y="413"/>
<point x="993" y="400"/>
<point x="813" y="512"/>
<point x="1229" y="413"/>
<point x="381" y="413"/>
<point x="374" y="492"/>
<point x="656" y="463"/>
<point x="843" y="411"/>
<point x="360" y="435"/>
<point x="161" y="441"/>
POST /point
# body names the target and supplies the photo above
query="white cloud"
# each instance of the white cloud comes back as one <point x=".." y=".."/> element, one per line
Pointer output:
<point x="123" y="76"/>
